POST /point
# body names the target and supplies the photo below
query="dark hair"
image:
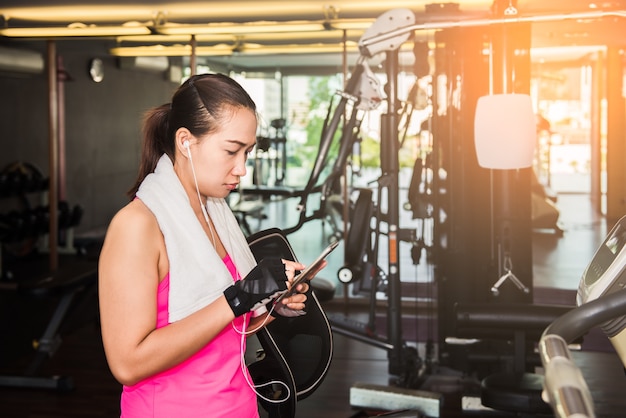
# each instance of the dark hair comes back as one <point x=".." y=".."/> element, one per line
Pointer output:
<point x="200" y="104"/>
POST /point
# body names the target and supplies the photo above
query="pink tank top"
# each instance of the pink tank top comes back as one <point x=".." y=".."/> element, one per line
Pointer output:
<point x="208" y="384"/>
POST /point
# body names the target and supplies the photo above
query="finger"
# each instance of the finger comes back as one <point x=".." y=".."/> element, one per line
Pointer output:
<point x="295" y="301"/>
<point x="293" y="265"/>
<point x="289" y="271"/>
<point x="296" y="306"/>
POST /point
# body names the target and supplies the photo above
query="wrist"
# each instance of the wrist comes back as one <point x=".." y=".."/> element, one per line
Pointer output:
<point x="236" y="300"/>
<point x="270" y="307"/>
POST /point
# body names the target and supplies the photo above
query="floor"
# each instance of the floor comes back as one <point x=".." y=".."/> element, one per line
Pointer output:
<point x="558" y="264"/>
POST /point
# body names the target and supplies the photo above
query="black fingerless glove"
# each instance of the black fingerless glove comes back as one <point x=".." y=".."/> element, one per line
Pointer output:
<point x="265" y="282"/>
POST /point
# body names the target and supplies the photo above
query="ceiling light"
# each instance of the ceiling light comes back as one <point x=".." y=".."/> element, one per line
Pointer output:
<point x="152" y="51"/>
<point x="222" y="49"/>
<point x="75" y="30"/>
<point x="350" y="24"/>
<point x="239" y="28"/>
<point x="172" y="39"/>
<point x="294" y="37"/>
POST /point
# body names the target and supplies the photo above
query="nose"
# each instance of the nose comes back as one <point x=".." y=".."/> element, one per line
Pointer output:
<point x="240" y="168"/>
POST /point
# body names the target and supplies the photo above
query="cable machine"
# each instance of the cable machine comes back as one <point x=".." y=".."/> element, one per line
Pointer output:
<point x="481" y="240"/>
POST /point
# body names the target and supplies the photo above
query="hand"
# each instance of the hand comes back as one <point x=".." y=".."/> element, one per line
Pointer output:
<point x="293" y="305"/>
<point x="265" y="282"/>
<point x="292" y="269"/>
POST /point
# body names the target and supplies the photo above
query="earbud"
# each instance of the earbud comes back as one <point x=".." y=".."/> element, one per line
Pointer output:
<point x="187" y="146"/>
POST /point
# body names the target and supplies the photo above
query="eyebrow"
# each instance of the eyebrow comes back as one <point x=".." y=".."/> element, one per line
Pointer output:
<point x="240" y="143"/>
<point x="236" y="142"/>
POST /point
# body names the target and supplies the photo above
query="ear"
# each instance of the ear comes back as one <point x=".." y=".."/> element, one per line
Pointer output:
<point x="183" y="137"/>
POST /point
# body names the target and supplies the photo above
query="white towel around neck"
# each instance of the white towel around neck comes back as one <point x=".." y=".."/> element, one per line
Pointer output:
<point x="197" y="274"/>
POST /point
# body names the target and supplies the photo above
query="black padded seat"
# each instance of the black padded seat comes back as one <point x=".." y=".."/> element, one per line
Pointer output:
<point x="514" y="392"/>
<point x="296" y="351"/>
<point x="323" y="288"/>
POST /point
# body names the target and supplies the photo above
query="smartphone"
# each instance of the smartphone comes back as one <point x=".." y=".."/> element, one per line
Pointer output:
<point x="308" y="272"/>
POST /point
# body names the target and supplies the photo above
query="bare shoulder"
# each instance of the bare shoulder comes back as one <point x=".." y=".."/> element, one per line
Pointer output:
<point x="134" y="215"/>
<point x="134" y="223"/>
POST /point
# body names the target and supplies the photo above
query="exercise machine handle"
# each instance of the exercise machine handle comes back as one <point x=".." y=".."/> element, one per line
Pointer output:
<point x="565" y="388"/>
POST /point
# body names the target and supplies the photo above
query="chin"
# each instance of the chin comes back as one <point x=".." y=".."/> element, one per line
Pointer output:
<point x="224" y="194"/>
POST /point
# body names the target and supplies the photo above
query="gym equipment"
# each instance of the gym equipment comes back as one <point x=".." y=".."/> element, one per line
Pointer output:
<point x="25" y="215"/>
<point x="404" y="402"/>
<point x="243" y="209"/>
<point x="21" y="275"/>
<point x="361" y="93"/>
<point x="545" y="214"/>
<point x="472" y="248"/>
<point x="72" y="289"/>
<point x="500" y="342"/>
<point x="296" y="351"/>
<point x="19" y="177"/>
<point x="601" y="302"/>
<point x="264" y="160"/>
<point x="468" y="258"/>
<point x="327" y="187"/>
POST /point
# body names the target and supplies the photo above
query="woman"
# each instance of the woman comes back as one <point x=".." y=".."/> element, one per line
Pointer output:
<point x="174" y="310"/>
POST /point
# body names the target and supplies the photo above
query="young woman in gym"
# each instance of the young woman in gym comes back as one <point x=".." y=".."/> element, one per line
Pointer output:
<point x="179" y="289"/>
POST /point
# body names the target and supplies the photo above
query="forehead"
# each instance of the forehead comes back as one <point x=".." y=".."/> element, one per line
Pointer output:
<point x="238" y="125"/>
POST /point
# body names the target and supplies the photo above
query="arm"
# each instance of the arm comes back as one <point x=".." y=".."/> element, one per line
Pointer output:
<point x="132" y="261"/>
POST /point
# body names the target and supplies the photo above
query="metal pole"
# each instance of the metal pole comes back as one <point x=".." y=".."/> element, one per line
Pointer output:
<point x="344" y="183"/>
<point x="193" y="57"/>
<point x="598" y="88"/>
<point x="390" y="165"/>
<point x="53" y="155"/>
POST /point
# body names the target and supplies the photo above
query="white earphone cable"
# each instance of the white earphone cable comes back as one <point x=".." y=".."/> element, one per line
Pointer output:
<point x="244" y="370"/>
<point x="195" y="181"/>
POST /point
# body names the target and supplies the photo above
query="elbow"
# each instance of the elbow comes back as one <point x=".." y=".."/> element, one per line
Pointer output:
<point x="124" y="365"/>
<point x="125" y="375"/>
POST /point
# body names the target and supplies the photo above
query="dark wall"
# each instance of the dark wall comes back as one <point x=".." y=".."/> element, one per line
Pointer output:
<point x="102" y="125"/>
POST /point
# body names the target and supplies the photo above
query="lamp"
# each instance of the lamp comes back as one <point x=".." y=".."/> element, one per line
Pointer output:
<point x="21" y="61"/>
<point x="152" y="64"/>
<point x="505" y="131"/>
